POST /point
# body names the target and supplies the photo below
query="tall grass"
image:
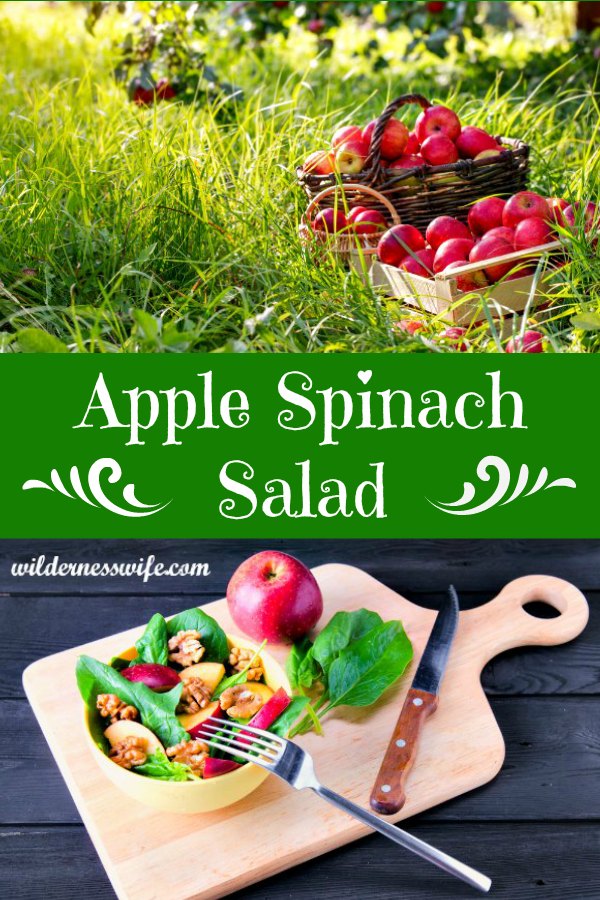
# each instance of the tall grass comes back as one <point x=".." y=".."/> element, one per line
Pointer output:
<point x="124" y="229"/>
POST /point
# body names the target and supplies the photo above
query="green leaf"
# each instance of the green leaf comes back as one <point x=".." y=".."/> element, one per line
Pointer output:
<point x="363" y="671"/>
<point x="152" y="646"/>
<point x="213" y="637"/>
<point x="283" y="724"/>
<point x="238" y="677"/>
<point x="34" y="340"/>
<point x="295" y="659"/>
<point x="157" y="711"/>
<point x="161" y="768"/>
<point x="342" y="630"/>
<point x="586" y="321"/>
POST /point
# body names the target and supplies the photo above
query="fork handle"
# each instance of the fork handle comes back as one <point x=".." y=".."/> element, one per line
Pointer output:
<point x="408" y="841"/>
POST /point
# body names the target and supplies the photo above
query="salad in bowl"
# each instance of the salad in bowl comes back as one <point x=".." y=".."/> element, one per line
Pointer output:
<point x="144" y="711"/>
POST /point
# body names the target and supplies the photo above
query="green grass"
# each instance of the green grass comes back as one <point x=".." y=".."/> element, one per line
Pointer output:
<point x="175" y="229"/>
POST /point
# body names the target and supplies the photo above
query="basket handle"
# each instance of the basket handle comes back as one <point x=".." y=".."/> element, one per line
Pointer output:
<point x="374" y="157"/>
<point x="362" y="188"/>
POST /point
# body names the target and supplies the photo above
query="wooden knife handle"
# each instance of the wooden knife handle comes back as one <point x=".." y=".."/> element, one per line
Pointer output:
<point x="388" y="794"/>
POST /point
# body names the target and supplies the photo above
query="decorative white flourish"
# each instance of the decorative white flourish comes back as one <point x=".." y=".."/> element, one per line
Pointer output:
<point x="96" y="491"/>
<point x="457" y="508"/>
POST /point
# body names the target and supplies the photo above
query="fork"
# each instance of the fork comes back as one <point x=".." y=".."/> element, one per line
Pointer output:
<point x="295" y="766"/>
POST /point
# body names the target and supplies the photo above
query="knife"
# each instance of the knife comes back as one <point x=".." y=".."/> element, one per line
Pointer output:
<point x="421" y="701"/>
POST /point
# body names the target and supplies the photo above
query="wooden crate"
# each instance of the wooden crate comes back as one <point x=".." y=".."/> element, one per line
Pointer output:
<point x="440" y="295"/>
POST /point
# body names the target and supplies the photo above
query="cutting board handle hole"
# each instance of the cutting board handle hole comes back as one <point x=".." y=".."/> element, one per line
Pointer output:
<point x="541" y="609"/>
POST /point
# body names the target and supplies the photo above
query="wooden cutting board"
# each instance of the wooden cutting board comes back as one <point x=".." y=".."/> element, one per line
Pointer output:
<point x="153" y="855"/>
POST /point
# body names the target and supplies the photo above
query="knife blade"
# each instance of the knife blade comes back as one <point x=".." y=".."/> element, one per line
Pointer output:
<point x="388" y="795"/>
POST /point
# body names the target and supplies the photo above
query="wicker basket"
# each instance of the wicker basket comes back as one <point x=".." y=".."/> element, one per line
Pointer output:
<point x="347" y="244"/>
<point x="422" y="193"/>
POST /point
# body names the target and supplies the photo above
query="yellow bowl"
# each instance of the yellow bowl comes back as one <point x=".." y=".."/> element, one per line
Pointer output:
<point x="193" y="796"/>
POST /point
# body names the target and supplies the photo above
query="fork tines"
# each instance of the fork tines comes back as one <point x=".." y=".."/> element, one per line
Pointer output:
<point x="243" y="741"/>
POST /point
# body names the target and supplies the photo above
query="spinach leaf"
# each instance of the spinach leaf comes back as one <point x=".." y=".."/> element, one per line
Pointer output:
<point x="283" y="723"/>
<point x="300" y="665"/>
<point x="152" y="646"/>
<point x="363" y="671"/>
<point x="342" y="630"/>
<point x="157" y="711"/>
<point x="160" y="767"/>
<point x="238" y="677"/>
<point x="214" y="638"/>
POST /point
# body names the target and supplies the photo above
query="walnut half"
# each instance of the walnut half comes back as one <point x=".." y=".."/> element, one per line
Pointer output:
<point x="190" y="753"/>
<point x="240" y="702"/>
<point x="112" y="707"/>
<point x="185" y="648"/>
<point x="194" y="696"/>
<point x="239" y="659"/>
<point x="129" y="752"/>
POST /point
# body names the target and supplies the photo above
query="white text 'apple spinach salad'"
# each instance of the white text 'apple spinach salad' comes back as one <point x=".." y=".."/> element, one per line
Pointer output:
<point x="147" y="708"/>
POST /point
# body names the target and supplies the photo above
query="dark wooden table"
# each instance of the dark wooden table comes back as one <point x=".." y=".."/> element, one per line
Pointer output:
<point x="535" y="830"/>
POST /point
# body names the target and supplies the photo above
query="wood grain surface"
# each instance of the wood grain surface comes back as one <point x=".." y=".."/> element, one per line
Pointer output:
<point x="463" y="748"/>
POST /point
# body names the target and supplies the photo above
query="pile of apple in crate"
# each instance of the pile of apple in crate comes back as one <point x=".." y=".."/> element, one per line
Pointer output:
<point x="490" y="248"/>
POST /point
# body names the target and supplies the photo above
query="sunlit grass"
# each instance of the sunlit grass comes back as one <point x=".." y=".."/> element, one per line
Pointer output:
<point x="123" y="229"/>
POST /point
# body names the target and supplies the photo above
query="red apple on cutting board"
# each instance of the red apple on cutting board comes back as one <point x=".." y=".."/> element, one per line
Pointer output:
<point x="274" y="597"/>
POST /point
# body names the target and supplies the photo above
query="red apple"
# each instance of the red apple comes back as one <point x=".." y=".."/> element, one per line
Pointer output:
<point x="397" y="242"/>
<point x="557" y="205"/>
<point x="488" y="249"/>
<point x="456" y="249"/>
<point x="437" y="120"/>
<point x="356" y="211"/>
<point x="274" y="597"/>
<point x="444" y="228"/>
<point x="473" y="141"/>
<point x="531" y="342"/>
<point x="407" y="162"/>
<point x="370" y="221"/>
<point x="532" y="233"/>
<point x="435" y="6"/>
<point x="165" y="90"/>
<point x="153" y="675"/>
<point x="395" y="138"/>
<point x="421" y="265"/>
<point x="214" y="767"/>
<point x="412" y="145"/>
<point x="469" y="281"/>
<point x="454" y="335"/>
<point x="411" y="326"/>
<point x="346" y="133"/>
<point x="321" y="162"/>
<point x="330" y="220"/>
<point x="316" y="26"/>
<point x="573" y="215"/>
<point x="271" y="711"/>
<point x="486" y="214"/>
<point x="502" y="232"/>
<point x="351" y="156"/>
<point x="524" y="205"/>
<point x="521" y="270"/>
<point x="439" y="150"/>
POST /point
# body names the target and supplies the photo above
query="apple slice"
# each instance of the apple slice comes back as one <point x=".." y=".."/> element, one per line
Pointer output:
<point x="214" y="767"/>
<point x="211" y="674"/>
<point x="192" y="721"/>
<point x="272" y="709"/>
<point x="126" y="728"/>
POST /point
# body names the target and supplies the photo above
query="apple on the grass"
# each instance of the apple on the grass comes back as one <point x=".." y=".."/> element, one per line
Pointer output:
<point x="455" y="336"/>
<point x="531" y="342"/>
<point x="473" y="141"/>
<point x="573" y="215"/>
<point x="454" y="250"/>
<point x="444" y="228"/>
<point x="398" y="242"/>
<point x="421" y="263"/>
<point x="557" y="206"/>
<point x="321" y="162"/>
<point x="486" y="214"/>
<point x="532" y="233"/>
<point x="468" y="281"/>
<point x="439" y="150"/>
<point x="524" y="205"/>
<point x="346" y="133"/>
<point x="411" y="326"/>
<point x="368" y="221"/>
<point x="274" y="597"/>
<point x="330" y="220"/>
<point x="437" y="120"/>
<point x="351" y="156"/>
